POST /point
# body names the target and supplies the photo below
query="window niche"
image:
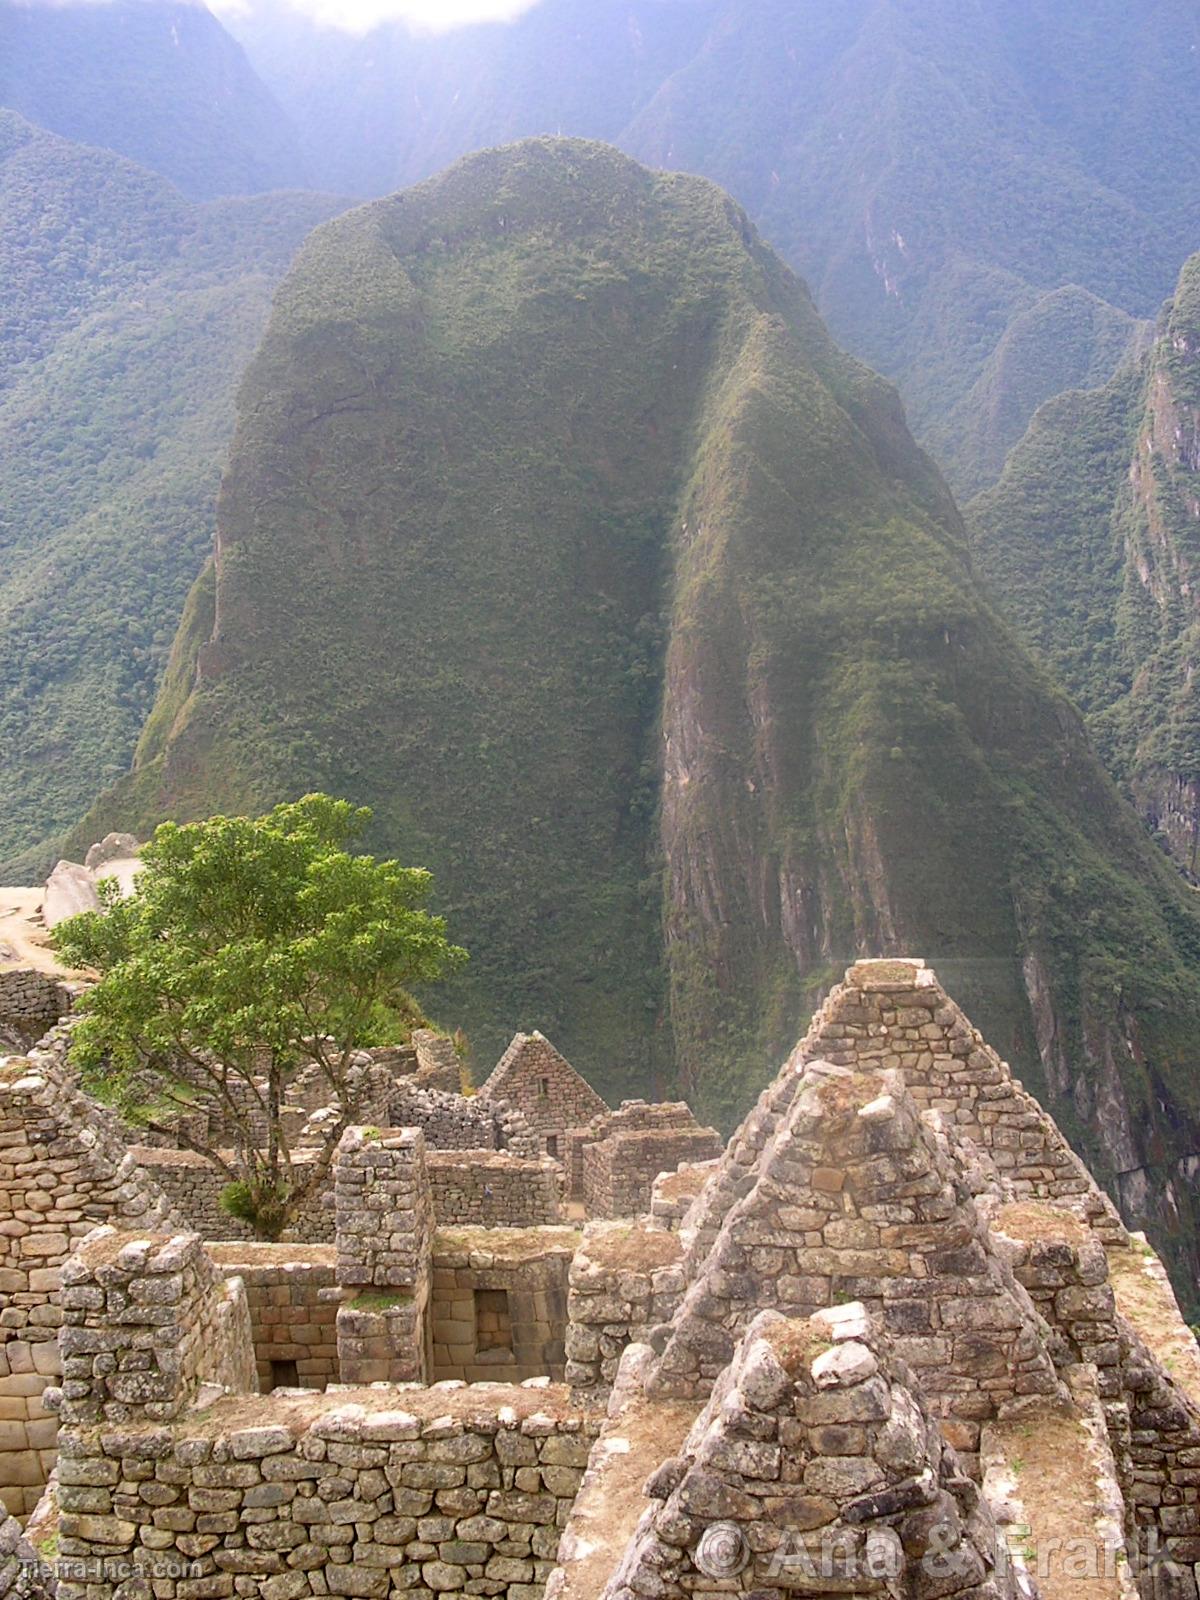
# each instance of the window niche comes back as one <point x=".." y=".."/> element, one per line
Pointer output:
<point x="493" y="1323"/>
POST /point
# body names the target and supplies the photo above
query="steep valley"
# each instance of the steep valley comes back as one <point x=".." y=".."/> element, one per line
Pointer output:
<point x="557" y="530"/>
<point x="126" y="317"/>
<point x="1090" y="540"/>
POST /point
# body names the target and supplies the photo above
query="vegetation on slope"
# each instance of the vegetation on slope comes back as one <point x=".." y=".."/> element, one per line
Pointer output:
<point x="159" y="81"/>
<point x="557" y="530"/>
<point x="940" y="170"/>
<point x="1090" y="540"/>
<point x="126" y="317"/>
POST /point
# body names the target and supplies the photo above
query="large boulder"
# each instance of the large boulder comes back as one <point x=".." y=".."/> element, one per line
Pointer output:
<point x="70" y="889"/>
<point x="113" y="847"/>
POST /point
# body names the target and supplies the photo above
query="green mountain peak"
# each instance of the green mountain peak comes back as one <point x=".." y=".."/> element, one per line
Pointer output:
<point x="557" y="530"/>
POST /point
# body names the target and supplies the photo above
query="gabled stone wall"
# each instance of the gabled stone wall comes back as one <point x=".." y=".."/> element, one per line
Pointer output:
<point x="534" y="1078"/>
<point x="854" y="1197"/>
<point x="815" y="1467"/>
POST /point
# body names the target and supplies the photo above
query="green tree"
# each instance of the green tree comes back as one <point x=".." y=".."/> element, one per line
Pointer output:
<point x="251" y="948"/>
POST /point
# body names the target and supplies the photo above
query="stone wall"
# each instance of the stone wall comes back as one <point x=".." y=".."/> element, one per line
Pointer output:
<point x="361" y="1493"/>
<point x="534" y="1078"/>
<point x="631" y="1116"/>
<point x="492" y="1189"/>
<point x="674" y="1193"/>
<point x="896" y="1014"/>
<point x="149" y="1323"/>
<point x="855" y="1197"/>
<point x="437" y="1061"/>
<point x="626" y="1279"/>
<point x="1153" y="1424"/>
<point x="815" y="1467"/>
<point x="619" y="1171"/>
<point x="31" y="1002"/>
<point x="293" y="1299"/>
<point x="384" y="1222"/>
<point x="64" y="1168"/>
<point x="499" y="1303"/>
<point x="481" y="1187"/>
<point x="194" y="1187"/>
<point x="462" y="1122"/>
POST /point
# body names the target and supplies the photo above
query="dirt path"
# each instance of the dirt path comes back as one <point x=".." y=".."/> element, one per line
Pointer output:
<point x="1145" y="1298"/>
<point x="24" y="942"/>
<point x="1046" y="1468"/>
<point x="611" y="1500"/>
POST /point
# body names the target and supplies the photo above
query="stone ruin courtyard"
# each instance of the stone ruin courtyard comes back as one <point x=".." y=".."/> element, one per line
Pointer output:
<point x="892" y="1340"/>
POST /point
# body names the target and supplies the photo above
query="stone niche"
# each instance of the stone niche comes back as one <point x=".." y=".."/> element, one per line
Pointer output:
<point x="292" y="1295"/>
<point x="499" y="1303"/>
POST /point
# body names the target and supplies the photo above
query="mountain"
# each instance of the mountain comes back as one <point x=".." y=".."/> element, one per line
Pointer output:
<point x="986" y="196"/>
<point x="1091" y="541"/>
<point x="557" y="529"/>
<point x="127" y="315"/>
<point x="159" y="81"/>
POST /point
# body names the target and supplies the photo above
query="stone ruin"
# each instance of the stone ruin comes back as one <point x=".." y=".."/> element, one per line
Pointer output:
<point x="891" y="1341"/>
<point x="496" y="1203"/>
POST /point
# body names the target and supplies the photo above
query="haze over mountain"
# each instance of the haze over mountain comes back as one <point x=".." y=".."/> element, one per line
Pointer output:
<point x="126" y="317"/>
<point x="983" y="194"/>
<point x="160" y="81"/>
<point x="1090" y="539"/>
<point x="557" y="529"/>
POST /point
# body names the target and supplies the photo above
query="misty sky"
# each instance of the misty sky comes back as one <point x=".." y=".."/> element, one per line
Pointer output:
<point x="358" y="15"/>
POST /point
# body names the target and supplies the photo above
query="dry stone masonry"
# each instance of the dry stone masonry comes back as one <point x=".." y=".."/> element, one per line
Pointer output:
<point x="64" y="1168"/>
<point x="492" y="1189"/>
<point x="534" y="1078"/>
<point x="499" y="1303"/>
<point x="384" y="1235"/>
<point x="149" y="1323"/>
<point x="31" y="1002"/>
<point x="814" y="1466"/>
<point x="795" y="1366"/>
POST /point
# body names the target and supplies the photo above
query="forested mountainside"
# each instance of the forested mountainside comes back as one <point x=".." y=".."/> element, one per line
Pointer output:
<point x="160" y="81"/>
<point x="984" y="195"/>
<point x="1092" y="540"/>
<point x="127" y="315"/>
<point x="558" y="530"/>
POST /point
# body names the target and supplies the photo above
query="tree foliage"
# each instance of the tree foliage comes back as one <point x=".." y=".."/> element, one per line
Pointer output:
<point x="251" y="948"/>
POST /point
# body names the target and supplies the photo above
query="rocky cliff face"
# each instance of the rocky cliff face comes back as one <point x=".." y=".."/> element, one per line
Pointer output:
<point x="558" y="530"/>
<point x="1159" y="516"/>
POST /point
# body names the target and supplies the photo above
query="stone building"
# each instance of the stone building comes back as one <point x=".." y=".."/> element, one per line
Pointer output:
<point x="534" y="1077"/>
<point x="891" y="1341"/>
